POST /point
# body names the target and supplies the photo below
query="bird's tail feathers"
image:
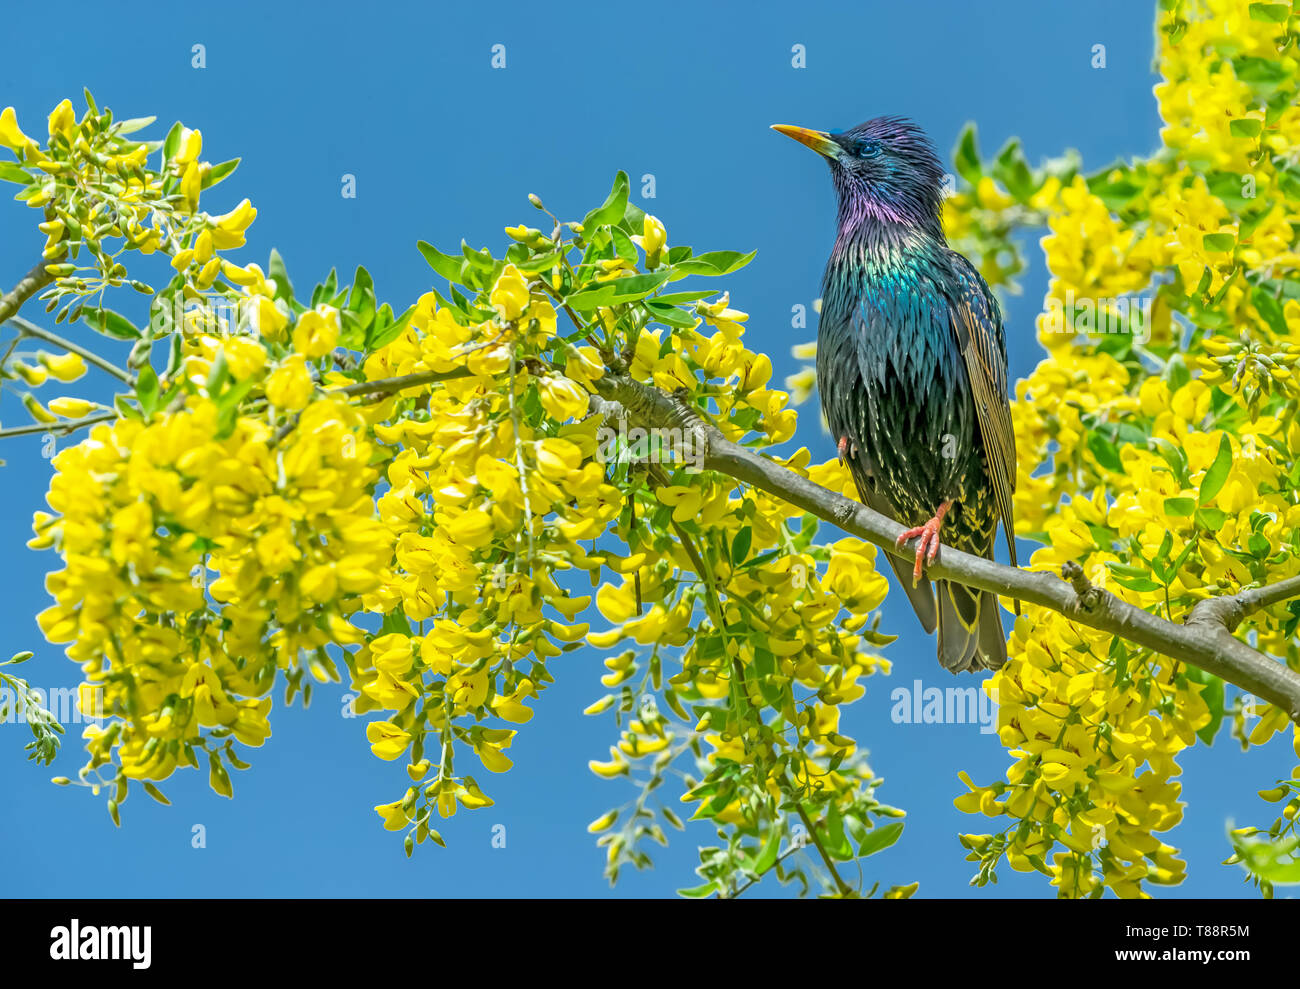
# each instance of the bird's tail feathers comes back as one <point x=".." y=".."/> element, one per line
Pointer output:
<point x="919" y="593"/>
<point x="970" y="629"/>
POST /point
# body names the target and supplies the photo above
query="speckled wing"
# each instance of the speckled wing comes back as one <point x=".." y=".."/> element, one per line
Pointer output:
<point x="845" y="406"/>
<point x="919" y="593"/>
<point x="978" y="325"/>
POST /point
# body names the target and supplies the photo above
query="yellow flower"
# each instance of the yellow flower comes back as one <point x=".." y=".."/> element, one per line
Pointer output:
<point x="265" y="318"/>
<point x="394" y="816"/>
<point x="244" y="357"/>
<point x="34" y="376"/>
<point x="387" y="741"/>
<point x="189" y="146"/>
<point x="38" y="412"/>
<point x="290" y="385"/>
<point x="65" y="367"/>
<point x="317" y="332"/>
<point x="63" y="121"/>
<point x="563" y="399"/>
<point x="192" y="185"/>
<point x="228" y="229"/>
<point x="11" y="135"/>
<point x="392" y="653"/>
<point x="71" y="408"/>
<point x="509" y="296"/>
<point x="653" y="239"/>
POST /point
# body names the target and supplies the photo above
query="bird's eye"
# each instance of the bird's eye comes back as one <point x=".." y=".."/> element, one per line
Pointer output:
<point x="869" y="149"/>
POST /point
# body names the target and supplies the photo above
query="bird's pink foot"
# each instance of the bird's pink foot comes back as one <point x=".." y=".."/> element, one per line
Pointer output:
<point x="844" y="448"/>
<point x="927" y="548"/>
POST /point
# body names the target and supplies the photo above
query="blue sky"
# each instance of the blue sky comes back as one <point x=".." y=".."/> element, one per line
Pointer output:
<point x="403" y="97"/>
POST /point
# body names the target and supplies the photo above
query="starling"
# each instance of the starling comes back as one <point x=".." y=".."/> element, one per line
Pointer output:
<point x="912" y="372"/>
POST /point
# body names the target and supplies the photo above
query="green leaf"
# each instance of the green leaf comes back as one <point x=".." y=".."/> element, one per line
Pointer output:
<point x="1012" y="170"/>
<point x="1125" y="570"/>
<point x="767" y="857"/>
<point x="1213" y="696"/>
<point x="834" y="838"/>
<point x="325" y="292"/>
<point x="628" y="289"/>
<point x="740" y="545"/>
<point x="125" y="408"/>
<point x="13" y="172"/>
<point x="1270" y="13"/>
<point x="361" y="304"/>
<point x="1180" y="507"/>
<point x="1262" y="73"/>
<point x="880" y="837"/>
<point x="1270" y="310"/>
<point x="542" y="262"/>
<point x="1245" y="127"/>
<point x="146" y="390"/>
<point x="1219" y="242"/>
<point x="713" y="263"/>
<point x="611" y="211"/>
<point x="383" y="332"/>
<point x="623" y="246"/>
<point x="1211" y="518"/>
<point x="699" y="892"/>
<point x="1140" y="584"/>
<point x="275" y="269"/>
<point x="396" y="621"/>
<point x="670" y="315"/>
<point x="444" y="264"/>
<point x="110" y="323"/>
<point x="1218" y="472"/>
<point x="677" y="298"/>
<point x="480" y="258"/>
<point x="219" y="172"/>
<point x="966" y="156"/>
<point x="228" y="407"/>
<point x="1105" y="451"/>
<point x="1275" y="861"/>
<point x="172" y="142"/>
<point x="634" y="217"/>
<point x="132" y="124"/>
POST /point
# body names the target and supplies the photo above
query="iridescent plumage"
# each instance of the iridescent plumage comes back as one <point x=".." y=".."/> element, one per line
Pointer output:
<point x="912" y="372"/>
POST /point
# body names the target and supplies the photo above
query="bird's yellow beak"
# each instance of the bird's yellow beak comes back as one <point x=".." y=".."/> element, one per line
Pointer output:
<point x="819" y="141"/>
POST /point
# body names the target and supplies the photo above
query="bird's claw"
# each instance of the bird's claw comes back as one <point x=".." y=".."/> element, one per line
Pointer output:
<point x="847" y="449"/>
<point x="927" y="548"/>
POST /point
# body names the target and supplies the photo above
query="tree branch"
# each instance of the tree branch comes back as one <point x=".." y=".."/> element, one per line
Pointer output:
<point x="29" y="285"/>
<point x="1205" y="640"/>
<point x="387" y="386"/>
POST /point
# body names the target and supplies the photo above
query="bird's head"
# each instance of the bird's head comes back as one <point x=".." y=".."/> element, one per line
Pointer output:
<point x="885" y="169"/>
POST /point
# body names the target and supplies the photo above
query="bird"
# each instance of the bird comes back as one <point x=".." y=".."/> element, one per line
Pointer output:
<point x="912" y="374"/>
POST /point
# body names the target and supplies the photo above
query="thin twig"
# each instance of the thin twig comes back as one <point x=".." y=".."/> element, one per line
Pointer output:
<point x="67" y="426"/>
<point x="386" y="386"/>
<point x="29" y="329"/>
<point x="840" y="884"/>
